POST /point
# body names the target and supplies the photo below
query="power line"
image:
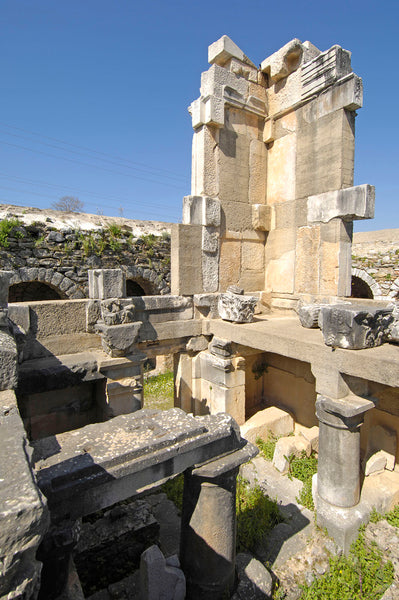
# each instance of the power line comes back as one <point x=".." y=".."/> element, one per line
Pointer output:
<point x="169" y="175"/>
<point x="101" y="168"/>
<point x="76" y="191"/>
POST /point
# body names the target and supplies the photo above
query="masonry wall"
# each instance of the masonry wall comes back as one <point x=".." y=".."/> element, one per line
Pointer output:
<point x="57" y="256"/>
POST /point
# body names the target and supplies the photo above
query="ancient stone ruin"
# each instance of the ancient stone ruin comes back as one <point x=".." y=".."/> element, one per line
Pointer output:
<point x="262" y="330"/>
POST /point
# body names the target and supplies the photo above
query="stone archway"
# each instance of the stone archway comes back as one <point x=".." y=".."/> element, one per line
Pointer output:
<point x="145" y="278"/>
<point x="364" y="286"/>
<point x="42" y="281"/>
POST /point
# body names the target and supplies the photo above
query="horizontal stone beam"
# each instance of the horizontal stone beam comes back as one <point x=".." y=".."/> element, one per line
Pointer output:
<point x="350" y="204"/>
<point x="93" y="467"/>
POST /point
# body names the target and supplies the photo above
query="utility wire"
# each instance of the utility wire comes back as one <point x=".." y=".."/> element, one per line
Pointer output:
<point x="169" y="173"/>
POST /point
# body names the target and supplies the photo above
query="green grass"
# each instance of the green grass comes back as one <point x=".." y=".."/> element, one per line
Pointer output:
<point x="6" y="231"/>
<point x="362" y="575"/>
<point x="256" y="513"/>
<point x="159" y="391"/>
<point x="267" y="447"/>
<point x="303" y="468"/>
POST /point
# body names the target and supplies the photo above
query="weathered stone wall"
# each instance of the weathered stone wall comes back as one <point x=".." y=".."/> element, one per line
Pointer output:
<point x="55" y="252"/>
<point x="375" y="260"/>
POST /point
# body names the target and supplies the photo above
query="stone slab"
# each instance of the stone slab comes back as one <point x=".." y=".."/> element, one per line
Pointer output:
<point x="93" y="467"/>
<point x="350" y="204"/>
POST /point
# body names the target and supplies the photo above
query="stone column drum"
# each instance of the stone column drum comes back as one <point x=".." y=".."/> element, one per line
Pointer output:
<point x="338" y="475"/>
<point x="208" y="532"/>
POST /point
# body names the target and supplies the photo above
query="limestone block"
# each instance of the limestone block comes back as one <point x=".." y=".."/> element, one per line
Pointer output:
<point x="186" y="270"/>
<point x="268" y="131"/>
<point x="236" y="308"/>
<point x="257" y="172"/>
<point x="280" y="273"/>
<point x="281" y="169"/>
<point x="230" y="262"/>
<point x="252" y="255"/>
<point x="354" y="327"/>
<point x="219" y="347"/>
<point x="19" y="315"/>
<point x="119" y="340"/>
<point x="221" y="83"/>
<point x="207" y="111"/>
<point x="286" y="447"/>
<point x="346" y="93"/>
<point x="5" y="277"/>
<point x="159" y="580"/>
<point x="221" y="399"/>
<point x="106" y="283"/>
<point x="255" y="581"/>
<point x="270" y="420"/>
<point x="8" y="361"/>
<point x="197" y="344"/>
<point x="324" y="70"/>
<point x="223" y="50"/>
<point x="382" y="438"/>
<point x="227" y="372"/>
<point x="283" y="62"/>
<point x="201" y="210"/>
<point x="376" y="463"/>
<point x="350" y="204"/>
<point x="204" y="175"/>
<point x="210" y="239"/>
<point x="311" y="434"/>
<point x="261" y="217"/>
<point x="210" y="271"/>
<point x="307" y="267"/>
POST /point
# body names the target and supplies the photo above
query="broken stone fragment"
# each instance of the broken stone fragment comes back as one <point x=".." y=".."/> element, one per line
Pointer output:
<point x="308" y="315"/>
<point x="393" y="334"/>
<point x="376" y="463"/>
<point x="255" y="581"/>
<point x="118" y="340"/>
<point x="158" y="579"/>
<point x="289" y="446"/>
<point x="219" y="347"/>
<point x="355" y="327"/>
<point x="236" y="308"/>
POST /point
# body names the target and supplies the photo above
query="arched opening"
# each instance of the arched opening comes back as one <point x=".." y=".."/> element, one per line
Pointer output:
<point x="134" y="289"/>
<point x="31" y="291"/>
<point x="360" y="289"/>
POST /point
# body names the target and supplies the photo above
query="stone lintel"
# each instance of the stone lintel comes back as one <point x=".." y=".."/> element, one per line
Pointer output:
<point x="350" y="204"/>
<point x="221" y="466"/>
<point x="348" y="410"/>
<point x="93" y="467"/>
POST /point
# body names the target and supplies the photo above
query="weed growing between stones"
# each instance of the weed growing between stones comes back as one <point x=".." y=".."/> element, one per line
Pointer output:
<point x="6" y="229"/>
<point x="173" y="488"/>
<point x="256" y="513"/>
<point x="359" y="576"/>
<point x="267" y="447"/>
<point x="303" y="468"/>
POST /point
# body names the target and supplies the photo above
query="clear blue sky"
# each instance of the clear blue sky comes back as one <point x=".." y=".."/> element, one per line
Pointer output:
<point x="95" y="93"/>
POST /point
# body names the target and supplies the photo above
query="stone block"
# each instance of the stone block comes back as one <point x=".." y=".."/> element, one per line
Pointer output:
<point x="159" y="580"/>
<point x="283" y="62"/>
<point x="255" y="581"/>
<point x="20" y="317"/>
<point x="309" y="315"/>
<point x="197" y="344"/>
<point x="119" y="340"/>
<point x="268" y="131"/>
<point x="223" y="50"/>
<point x="204" y="175"/>
<point x="236" y="308"/>
<point x="186" y="259"/>
<point x="210" y="271"/>
<point x="307" y="267"/>
<point x="201" y="210"/>
<point x="222" y="399"/>
<point x="210" y="239"/>
<point x="230" y="262"/>
<point x="289" y="446"/>
<point x="219" y="347"/>
<point x="324" y="70"/>
<point x="8" y="361"/>
<point x="376" y="463"/>
<point x="311" y="434"/>
<point x="5" y="277"/>
<point x="381" y="491"/>
<point x="382" y="438"/>
<point x="228" y="372"/>
<point x="354" y="327"/>
<point x="270" y="420"/>
<point x="261" y="217"/>
<point x="281" y="169"/>
<point x="350" y="204"/>
<point x="106" y="283"/>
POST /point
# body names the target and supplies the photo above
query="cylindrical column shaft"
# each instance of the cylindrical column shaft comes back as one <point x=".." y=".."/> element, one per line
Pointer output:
<point x="208" y="536"/>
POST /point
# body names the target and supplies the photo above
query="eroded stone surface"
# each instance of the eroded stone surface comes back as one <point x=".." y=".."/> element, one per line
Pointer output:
<point x="236" y="308"/>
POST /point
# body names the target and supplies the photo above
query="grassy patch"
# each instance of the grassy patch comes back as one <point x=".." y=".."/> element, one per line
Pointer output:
<point x="6" y="231"/>
<point x="256" y="513"/>
<point x="303" y="468"/>
<point x="362" y="575"/>
<point x="159" y="391"/>
<point x="267" y="447"/>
